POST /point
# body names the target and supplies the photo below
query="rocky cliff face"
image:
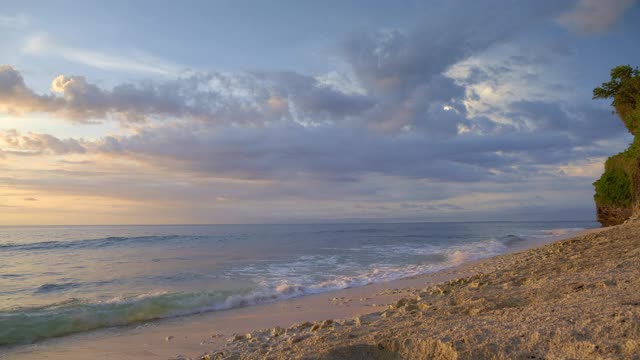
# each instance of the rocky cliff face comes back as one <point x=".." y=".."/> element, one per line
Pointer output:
<point x="609" y="215"/>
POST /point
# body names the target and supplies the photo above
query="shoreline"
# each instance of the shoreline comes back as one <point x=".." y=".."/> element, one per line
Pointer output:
<point x="193" y="335"/>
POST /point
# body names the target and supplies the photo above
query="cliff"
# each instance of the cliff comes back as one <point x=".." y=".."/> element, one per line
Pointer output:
<point x="617" y="194"/>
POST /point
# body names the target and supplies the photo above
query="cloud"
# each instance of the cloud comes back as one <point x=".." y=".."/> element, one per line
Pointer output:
<point x="405" y="69"/>
<point x="508" y="73"/>
<point x="399" y="75"/>
<point x="16" y="97"/>
<point x="585" y="124"/>
<point x="590" y="168"/>
<point x="593" y="16"/>
<point x="338" y="154"/>
<point x="307" y="98"/>
<point x="216" y="98"/>
<point x="136" y="61"/>
<point x="12" y="142"/>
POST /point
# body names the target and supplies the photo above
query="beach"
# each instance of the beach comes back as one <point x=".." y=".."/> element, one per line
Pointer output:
<point x="575" y="298"/>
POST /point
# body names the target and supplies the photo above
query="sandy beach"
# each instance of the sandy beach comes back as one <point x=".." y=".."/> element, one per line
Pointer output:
<point x="572" y="298"/>
<point x="577" y="299"/>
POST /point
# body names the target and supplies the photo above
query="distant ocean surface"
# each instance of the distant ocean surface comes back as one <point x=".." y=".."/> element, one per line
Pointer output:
<point x="61" y="280"/>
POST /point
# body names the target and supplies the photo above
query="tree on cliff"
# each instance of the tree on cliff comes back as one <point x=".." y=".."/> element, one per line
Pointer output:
<point x="624" y="89"/>
<point x="617" y="194"/>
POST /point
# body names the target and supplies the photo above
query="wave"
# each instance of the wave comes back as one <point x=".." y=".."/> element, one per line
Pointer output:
<point x="356" y="231"/>
<point x="29" y="324"/>
<point x="511" y="239"/>
<point x="26" y="325"/>
<point x="47" y="288"/>
<point x="11" y="276"/>
<point x="94" y="243"/>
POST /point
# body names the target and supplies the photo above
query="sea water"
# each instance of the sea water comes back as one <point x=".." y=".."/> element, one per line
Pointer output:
<point x="60" y="280"/>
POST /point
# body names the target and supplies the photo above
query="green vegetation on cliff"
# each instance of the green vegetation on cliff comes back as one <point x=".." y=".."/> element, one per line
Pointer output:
<point x="624" y="89"/>
<point x="617" y="189"/>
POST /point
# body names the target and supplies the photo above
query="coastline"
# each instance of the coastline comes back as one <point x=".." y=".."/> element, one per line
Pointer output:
<point x="191" y="336"/>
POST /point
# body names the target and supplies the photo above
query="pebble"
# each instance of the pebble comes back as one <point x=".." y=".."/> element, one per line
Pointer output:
<point x="357" y="321"/>
<point x="181" y="357"/>
<point x="327" y="323"/>
<point x="297" y="339"/>
<point x="235" y="337"/>
<point x="277" y="331"/>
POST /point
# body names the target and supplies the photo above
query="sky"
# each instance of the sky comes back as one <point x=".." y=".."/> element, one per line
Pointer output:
<point x="162" y="112"/>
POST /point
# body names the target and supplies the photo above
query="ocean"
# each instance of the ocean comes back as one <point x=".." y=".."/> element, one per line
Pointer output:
<point x="60" y="280"/>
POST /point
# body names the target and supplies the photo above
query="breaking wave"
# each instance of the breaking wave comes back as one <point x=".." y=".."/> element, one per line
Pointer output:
<point x="25" y="325"/>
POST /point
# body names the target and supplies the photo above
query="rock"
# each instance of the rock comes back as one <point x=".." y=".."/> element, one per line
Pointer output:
<point x="436" y="290"/>
<point x="277" y="331"/>
<point x="357" y="321"/>
<point x="305" y="325"/>
<point x="235" y="337"/>
<point x="348" y="322"/>
<point x="609" y="215"/>
<point x="297" y="339"/>
<point x="412" y="307"/>
<point x="181" y="357"/>
<point x="216" y="355"/>
<point x="402" y="302"/>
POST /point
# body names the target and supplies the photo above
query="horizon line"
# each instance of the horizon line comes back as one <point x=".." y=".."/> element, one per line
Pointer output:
<point x="305" y="223"/>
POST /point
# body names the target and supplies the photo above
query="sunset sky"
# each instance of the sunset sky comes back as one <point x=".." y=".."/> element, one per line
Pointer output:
<point x="141" y="112"/>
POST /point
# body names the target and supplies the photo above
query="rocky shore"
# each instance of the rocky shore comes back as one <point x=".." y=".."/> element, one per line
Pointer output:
<point x="578" y="298"/>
